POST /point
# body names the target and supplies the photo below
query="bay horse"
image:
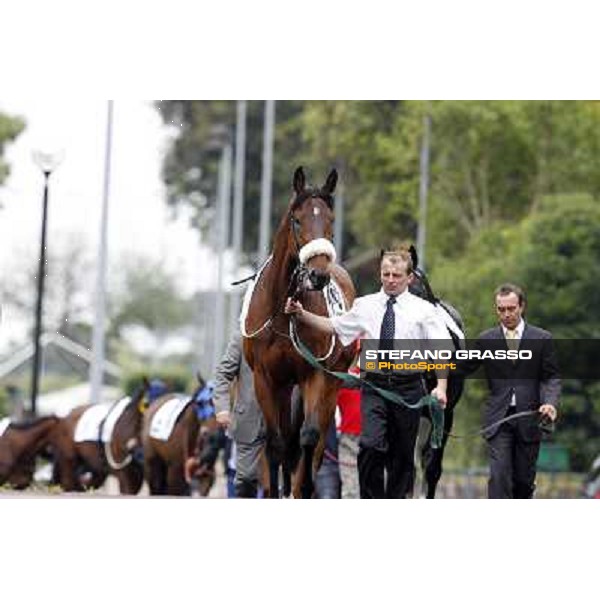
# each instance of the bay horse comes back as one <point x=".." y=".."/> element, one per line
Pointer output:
<point x="167" y="463"/>
<point x="19" y="445"/>
<point x="102" y="458"/>
<point x="301" y="265"/>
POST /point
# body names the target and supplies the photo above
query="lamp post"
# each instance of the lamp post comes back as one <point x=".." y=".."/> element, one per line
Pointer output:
<point x="47" y="162"/>
<point x="220" y="141"/>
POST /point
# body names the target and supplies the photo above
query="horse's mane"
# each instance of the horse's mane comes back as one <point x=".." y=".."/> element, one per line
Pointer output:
<point x="24" y="425"/>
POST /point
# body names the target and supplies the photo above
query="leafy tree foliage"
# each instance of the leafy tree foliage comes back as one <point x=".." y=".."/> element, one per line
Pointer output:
<point x="513" y="196"/>
<point x="10" y="128"/>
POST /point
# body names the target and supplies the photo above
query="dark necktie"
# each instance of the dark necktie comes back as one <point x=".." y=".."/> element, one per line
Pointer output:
<point x="512" y="342"/>
<point x="386" y="336"/>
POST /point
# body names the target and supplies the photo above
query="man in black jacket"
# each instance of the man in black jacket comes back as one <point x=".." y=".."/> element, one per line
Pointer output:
<point x="515" y="386"/>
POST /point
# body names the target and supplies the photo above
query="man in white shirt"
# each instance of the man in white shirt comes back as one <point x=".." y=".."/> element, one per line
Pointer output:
<point x="388" y="430"/>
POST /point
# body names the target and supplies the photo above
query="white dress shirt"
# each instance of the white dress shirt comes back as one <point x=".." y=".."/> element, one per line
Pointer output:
<point x="415" y="319"/>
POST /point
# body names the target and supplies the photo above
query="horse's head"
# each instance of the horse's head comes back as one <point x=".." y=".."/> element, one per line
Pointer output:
<point x="311" y="229"/>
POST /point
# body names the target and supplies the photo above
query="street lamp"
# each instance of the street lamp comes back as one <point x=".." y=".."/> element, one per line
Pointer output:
<point x="47" y="162"/>
<point x="220" y="141"/>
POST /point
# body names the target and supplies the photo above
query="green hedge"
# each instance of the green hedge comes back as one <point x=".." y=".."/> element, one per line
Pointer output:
<point x="177" y="378"/>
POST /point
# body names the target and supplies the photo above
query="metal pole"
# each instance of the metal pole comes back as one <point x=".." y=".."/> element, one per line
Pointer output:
<point x="223" y="212"/>
<point x="238" y="205"/>
<point x="266" y="181"/>
<point x="40" y="300"/>
<point x="97" y="366"/>
<point x="423" y="189"/>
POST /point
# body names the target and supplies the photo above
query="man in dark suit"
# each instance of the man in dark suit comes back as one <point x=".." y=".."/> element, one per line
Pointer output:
<point x="515" y="386"/>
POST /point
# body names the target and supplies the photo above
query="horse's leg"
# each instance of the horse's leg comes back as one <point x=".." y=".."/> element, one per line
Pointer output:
<point x="176" y="483"/>
<point x="434" y="464"/>
<point x="263" y="388"/>
<point x="319" y="407"/>
<point x="91" y="457"/>
<point x="422" y="458"/>
<point x="130" y="479"/>
<point x="155" y="473"/>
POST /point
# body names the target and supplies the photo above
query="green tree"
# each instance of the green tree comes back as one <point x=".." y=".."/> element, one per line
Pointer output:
<point x="554" y="254"/>
<point x="190" y="169"/>
<point x="149" y="296"/>
<point x="10" y="128"/>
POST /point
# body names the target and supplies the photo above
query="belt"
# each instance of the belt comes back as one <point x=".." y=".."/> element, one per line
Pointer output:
<point x="392" y="380"/>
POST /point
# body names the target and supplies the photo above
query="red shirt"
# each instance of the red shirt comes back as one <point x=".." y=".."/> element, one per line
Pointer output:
<point x="348" y="402"/>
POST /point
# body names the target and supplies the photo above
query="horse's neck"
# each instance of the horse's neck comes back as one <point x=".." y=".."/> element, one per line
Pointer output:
<point x="37" y="433"/>
<point x="276" y="284"/>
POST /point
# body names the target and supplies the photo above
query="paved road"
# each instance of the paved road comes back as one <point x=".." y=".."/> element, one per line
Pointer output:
<point x="109" y="490"/>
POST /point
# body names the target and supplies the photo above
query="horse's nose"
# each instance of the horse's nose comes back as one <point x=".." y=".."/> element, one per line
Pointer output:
<point x="318" y="279"/>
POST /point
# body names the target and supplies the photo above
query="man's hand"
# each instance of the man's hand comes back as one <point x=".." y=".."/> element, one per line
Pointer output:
<point x="224" y="418"/>
<point x="548" y="411"/>
<point x="293" y="307"/>
<point x="440" y="394"/>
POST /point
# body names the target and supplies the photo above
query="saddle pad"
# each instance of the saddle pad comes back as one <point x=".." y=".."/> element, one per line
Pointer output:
<point x="4" y="423"/>
<point x="165" y="417"/>
<point x="88" y="426"/>
<point x="116" y="410"/>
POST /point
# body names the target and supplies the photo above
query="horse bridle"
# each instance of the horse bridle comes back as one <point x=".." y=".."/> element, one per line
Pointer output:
<point x="296" y="284"/>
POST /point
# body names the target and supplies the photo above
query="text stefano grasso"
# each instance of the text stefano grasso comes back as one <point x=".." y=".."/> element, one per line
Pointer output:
<point x="498" y="354"/>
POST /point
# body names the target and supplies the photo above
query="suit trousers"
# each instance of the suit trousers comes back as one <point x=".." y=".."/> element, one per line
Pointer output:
<point x="247" y="468"/>
<point x="512" y="463"/>
<point x="387" y="443"/>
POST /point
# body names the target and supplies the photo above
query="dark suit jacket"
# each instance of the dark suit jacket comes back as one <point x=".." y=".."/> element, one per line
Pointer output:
<point x="534" y="382"/>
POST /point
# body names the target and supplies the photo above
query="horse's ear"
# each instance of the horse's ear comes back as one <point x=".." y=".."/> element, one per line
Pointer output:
<point x="299" y="180"/>
<point x="330" y="184"/>
<point x="200" y="379"/>
<point x="414" y="256"/>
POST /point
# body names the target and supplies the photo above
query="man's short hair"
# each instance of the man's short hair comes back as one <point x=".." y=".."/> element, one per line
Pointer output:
<point x="511" y="288"/>
<point x="397" y="253"/>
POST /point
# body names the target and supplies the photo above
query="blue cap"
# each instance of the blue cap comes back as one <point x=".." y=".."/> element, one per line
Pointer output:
<point x="157" y="388"/>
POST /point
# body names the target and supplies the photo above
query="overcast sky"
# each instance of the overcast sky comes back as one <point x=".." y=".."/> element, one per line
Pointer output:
<point x="138" y="217"/>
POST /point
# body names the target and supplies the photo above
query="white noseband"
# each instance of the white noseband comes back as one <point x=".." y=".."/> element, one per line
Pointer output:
<point x="316" y="247"/>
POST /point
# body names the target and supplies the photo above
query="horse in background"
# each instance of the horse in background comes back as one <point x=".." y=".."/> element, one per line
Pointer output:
<point x="87" y="464"/>
<point x="19" y="445"/>
<point x="429" y="459"/>
<point x="167" y="461"/>
<point x="302" y="265"/>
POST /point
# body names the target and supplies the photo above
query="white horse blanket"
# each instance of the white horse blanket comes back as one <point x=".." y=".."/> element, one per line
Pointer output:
<point x="88" y="426"/>
<point x="166" y="416"/>
<point x="4" y="423"/>
<point x="116" y="410"/>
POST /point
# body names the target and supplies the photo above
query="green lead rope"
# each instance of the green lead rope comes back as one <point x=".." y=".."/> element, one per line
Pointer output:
<point x="435" y="410"/>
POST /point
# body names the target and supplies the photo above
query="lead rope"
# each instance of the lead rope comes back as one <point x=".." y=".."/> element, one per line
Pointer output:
<point x="435" y="410"/>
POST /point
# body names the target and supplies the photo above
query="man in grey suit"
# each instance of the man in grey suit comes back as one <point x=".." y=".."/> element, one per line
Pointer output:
<point x="246" y="425"/>
<point x="244" y="419"/>
<point x="515" y="386"/>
